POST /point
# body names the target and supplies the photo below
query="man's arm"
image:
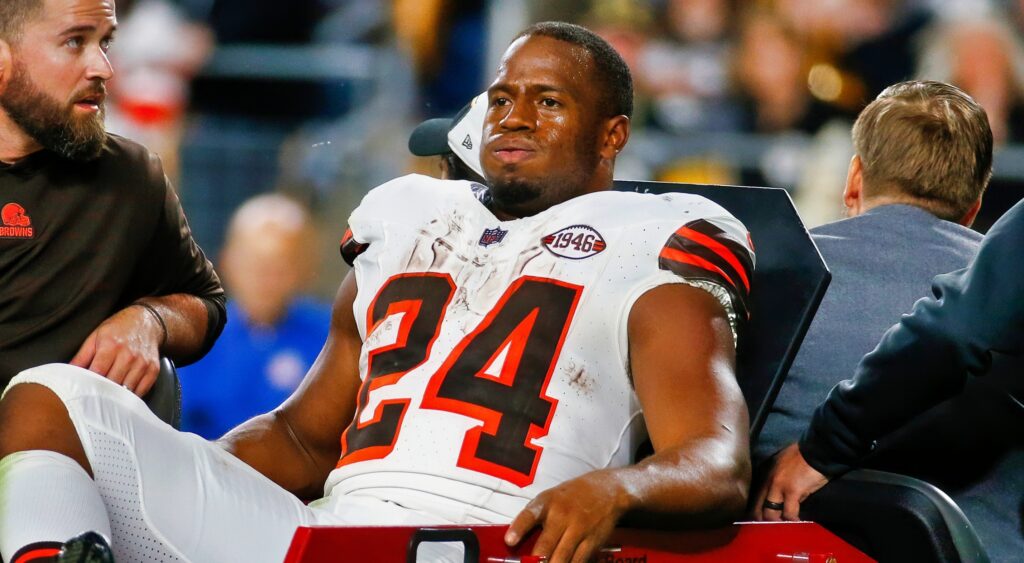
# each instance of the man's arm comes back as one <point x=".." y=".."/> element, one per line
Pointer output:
<point x="920" y="362"/>
<point x="175" y="305"/>
<point x="126" y="348"/>
<point x="298" y="444"/>
<point x="176" y="265"/>
<point x="682" y="360"/>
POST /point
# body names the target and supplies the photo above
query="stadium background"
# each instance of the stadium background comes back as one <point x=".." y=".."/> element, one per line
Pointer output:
<point x="316" y="98"/>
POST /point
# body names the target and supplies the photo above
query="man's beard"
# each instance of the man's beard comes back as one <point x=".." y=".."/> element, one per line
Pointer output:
<point x="514" y="192"/>
<point x="50" y="123"/>
<point x="529" y="196"/>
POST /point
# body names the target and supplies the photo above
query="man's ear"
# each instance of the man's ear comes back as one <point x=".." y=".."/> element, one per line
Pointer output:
<point x="6" y="64"/>
<point x="968" y="219"/>
<point x="853" y="194"/>
<point x="616" y="134"/>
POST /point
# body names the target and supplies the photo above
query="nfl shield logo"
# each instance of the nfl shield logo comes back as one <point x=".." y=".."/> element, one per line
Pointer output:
<point x="492" y="236"/>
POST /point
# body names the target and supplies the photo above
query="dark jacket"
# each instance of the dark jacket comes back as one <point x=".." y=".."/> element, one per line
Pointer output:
<point x="927" y="357"/>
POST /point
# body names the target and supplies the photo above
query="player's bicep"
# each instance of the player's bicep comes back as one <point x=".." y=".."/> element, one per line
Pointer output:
<point x="682" y="359"/>
<point x="325" y="402"/>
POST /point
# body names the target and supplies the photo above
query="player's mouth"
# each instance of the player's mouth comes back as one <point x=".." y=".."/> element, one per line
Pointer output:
<point x="513" y="156"/>
<point x="91" y="102"/>
<point x="512" y="152"/>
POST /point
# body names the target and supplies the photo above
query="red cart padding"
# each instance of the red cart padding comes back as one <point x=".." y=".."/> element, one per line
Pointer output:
<point x="757" y="542"/>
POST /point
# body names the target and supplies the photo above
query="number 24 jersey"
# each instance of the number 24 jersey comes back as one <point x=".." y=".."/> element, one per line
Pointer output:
<point x="495" y="355"/>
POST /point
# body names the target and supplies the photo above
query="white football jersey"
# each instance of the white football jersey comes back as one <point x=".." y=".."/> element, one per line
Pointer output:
<point x="495" y="356"/>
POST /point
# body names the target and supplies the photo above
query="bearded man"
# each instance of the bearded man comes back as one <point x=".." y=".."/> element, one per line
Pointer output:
<point x="98" y="267"/>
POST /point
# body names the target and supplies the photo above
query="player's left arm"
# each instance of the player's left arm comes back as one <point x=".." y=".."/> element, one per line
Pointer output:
<point x="683" y="365"/>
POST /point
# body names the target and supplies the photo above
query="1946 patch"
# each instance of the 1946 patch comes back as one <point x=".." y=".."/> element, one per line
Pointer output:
<point x="575" y="242"/>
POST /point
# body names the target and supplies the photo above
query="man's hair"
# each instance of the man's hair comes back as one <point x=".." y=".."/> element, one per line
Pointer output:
<point x="926" y="140"/>
<point x="459" y="170"/>
<point x="14" y="14"/>
<point x="611" y="72"/>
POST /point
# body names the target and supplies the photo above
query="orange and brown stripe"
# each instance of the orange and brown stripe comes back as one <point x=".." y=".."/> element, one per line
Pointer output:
<point x="38" y="552"/>
<point x="702" y="250"/>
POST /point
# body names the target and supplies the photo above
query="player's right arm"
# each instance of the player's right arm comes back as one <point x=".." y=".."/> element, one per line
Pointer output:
<point x="682" y="360"/>
<point x="299" y="443"/>
<point x="683" y="363"/>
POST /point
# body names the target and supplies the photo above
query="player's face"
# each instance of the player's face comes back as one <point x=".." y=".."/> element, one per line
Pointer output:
<point x="55" y="89"/>
<point x="541" y="134"/>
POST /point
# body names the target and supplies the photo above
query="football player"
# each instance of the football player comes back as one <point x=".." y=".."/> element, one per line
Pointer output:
<point x="496" y="356"/>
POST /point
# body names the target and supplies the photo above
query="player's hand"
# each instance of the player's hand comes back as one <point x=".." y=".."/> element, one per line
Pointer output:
<point x="790" y="481"/>
<point x="577" y="517"/>
<point x="125" y="349"/>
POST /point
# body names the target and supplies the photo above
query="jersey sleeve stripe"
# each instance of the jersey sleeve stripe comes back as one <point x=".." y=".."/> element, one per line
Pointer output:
<point x="38" y="551"/>
<point x="738" y="242"/>
<point x="719" y="249"/>
<point x="682" y="263"/>
<point x="351" y="248"/>
<point x="687" y="246"/>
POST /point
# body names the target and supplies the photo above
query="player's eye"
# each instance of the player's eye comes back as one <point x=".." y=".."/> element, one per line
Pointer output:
<point x="500" y="101"/>
<point x="106" y="42"/>
<point x="75" y="42"/>
<point x="550" y="103"/>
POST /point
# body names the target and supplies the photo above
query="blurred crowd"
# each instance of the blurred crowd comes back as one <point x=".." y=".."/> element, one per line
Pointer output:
<point x="796" y="72"/>
<point x="316" y="101"/>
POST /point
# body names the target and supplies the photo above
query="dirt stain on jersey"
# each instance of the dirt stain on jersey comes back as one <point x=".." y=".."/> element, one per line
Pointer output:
<point x="422" y="255"/>
<point x="455" y="221"/>
<point x="460" y="302"/>
<point x="442" y="238"/>
<point x="528" y="257"/>
<point x="579" y="378"/>
<point x="440" y="252"/>
<point x="376" y="336"/>
<point x="525" y="257"/>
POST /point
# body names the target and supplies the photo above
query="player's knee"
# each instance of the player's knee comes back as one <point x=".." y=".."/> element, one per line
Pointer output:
<point x="33" y="417"/>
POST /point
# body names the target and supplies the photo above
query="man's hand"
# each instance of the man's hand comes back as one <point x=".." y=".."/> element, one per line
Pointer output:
<point x="790" y="481"/>
<point x="577" y="517"/>
<point x="125" y="349"/>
